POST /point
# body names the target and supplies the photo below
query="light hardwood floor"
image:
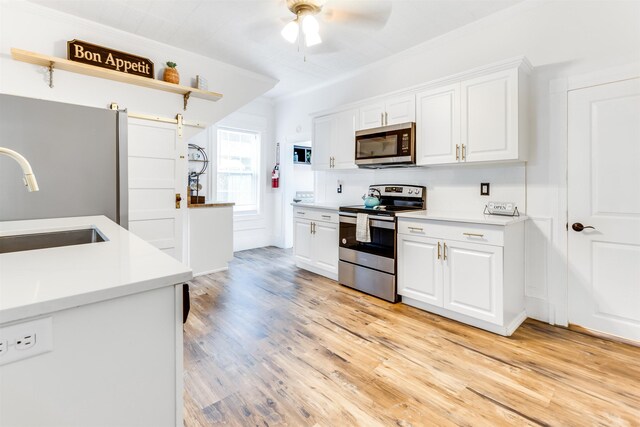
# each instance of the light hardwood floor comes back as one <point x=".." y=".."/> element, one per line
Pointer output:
<point x="269" y="344"/>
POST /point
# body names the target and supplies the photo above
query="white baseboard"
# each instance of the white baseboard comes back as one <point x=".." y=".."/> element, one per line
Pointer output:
<point x="211" y="271"/>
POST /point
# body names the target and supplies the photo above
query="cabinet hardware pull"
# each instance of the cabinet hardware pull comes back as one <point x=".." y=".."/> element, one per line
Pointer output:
<point x="438" y="250"/>
<point x="314" y="227"/>
<point x="381" y="119"/>
<point x="326" y="216"/>
<point x="415" y="229"/>
<point x="301" y="213"/>
<point x="457" y="152"/>
<point x="464" y="152"/>
<point x="444" y="252"/>
<point x="473" y="234"/>
<point x="386" y="118"/>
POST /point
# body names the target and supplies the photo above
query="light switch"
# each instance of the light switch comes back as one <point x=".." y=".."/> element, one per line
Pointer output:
<point x="484" y="189"/>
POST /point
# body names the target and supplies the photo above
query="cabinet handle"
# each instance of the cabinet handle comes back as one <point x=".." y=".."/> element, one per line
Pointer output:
<point x="444" y="252"/>
<point x="464" y="152"/>
<point x="438" y="250"/>
<point x="386" y="118"/>
<point x="457" y="152"/>
<point x="381" y="119"/>
<point x="326" y="216"/>
<point x="416" y="229"/>
<point x="310" y="228"/>
<point x="473" y="234"/>
<point x="333" y="162"/>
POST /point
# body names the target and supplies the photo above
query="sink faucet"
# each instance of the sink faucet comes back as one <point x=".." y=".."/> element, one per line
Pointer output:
<point x="29" y="178"/>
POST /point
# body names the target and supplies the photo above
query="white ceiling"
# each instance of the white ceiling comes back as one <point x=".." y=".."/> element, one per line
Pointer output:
<point x="246" y="33"/>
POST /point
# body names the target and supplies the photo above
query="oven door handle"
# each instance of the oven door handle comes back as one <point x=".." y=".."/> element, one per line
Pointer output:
<point x="374" y="217"/>
<point x="372" y="222"/>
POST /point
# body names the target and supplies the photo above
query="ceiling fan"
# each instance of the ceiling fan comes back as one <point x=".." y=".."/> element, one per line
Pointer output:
<point x="305" y="25"/>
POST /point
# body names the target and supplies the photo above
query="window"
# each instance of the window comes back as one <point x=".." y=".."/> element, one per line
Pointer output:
<point x="239" y="169"/>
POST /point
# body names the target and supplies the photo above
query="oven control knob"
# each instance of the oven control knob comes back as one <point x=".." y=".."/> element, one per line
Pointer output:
<point x="410" y="191"/>
<point x="344" y="241"/>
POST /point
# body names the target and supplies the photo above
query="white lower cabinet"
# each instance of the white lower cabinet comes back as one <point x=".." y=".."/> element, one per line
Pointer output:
<point x="315" y="241"/>
<point x="470" y="273"/>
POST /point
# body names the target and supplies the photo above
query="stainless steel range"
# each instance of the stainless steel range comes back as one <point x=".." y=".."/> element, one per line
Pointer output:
<point x="371" y="266"/>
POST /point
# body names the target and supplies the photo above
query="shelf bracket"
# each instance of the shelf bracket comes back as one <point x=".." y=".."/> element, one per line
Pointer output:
<point x="186" y="100"/>
<point x="50" y="67"/>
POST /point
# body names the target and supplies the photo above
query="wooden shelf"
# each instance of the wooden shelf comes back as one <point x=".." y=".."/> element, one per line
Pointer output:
<point x="54" y="63"/>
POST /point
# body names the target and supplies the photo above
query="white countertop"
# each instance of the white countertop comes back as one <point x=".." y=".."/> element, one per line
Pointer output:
<point x="43" y="281"/>
<point x="329" y="206"/>
<point x="475" y="218"/>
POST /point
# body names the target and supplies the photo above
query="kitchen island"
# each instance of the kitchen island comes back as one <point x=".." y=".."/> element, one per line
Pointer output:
<point x="112" y="351"/>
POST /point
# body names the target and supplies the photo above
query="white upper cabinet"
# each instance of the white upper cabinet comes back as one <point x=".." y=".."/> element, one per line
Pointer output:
<point x="323" y="130"/>
<point x="490" y="117"/>
<point x="372" y="116"/>
<point x="390" y="111"/>
<point x="334" y="140"/>
<point x="438" y="125"/>
<point x="474" y="117"/>
<point x="480" y="119"/>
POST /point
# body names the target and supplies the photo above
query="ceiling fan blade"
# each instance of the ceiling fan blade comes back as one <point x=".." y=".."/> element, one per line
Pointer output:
<point x="369" y="14"/>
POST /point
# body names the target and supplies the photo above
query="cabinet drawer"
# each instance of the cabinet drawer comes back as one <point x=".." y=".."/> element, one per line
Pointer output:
<point x="458" y="231"/>
<point x="316" y="214"/>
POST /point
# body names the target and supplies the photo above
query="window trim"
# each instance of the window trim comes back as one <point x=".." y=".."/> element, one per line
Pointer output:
<point x="254" y="214"/>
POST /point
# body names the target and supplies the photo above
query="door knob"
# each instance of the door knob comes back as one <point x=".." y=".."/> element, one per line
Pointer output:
<point x="579" y="227"/>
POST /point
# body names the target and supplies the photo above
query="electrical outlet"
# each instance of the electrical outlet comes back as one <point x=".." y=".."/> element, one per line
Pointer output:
<point x="484" y="189"/>
<point x="23" y="340"/>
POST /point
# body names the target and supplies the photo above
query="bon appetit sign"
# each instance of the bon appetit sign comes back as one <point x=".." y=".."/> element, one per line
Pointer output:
<point x="100" y="56"/>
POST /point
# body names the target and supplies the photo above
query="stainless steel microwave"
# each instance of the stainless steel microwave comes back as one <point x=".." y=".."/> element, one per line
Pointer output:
<point x="386" y="146"/>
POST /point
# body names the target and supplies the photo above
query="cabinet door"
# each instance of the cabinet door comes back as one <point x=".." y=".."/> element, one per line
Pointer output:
<point x="343" y="147"/>
<point x="490" y="117"/>
<point x="473" y="280"/>
<point x="438" y="125"/>
<point x="401" y="109"/>
<point x="419" y="269"/>
<point x="371" y="116"/>
<point x="302" y="239"/>
<point x="325" y="246"/>
<point x="323" y="135"/>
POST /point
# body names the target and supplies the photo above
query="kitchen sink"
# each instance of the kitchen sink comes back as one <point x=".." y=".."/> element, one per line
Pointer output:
<point x="53" y="239"/>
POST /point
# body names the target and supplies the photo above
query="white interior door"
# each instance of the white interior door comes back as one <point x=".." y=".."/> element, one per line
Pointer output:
<point x="604" y="193"/>
<point x="156" y="175"/>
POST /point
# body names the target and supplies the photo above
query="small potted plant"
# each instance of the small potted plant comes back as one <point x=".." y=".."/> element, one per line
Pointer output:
<point x="171" y="74"/>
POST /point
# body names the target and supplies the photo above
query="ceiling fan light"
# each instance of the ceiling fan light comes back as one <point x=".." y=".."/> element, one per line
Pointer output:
<point x="312" y="39"/>
<point x="290" y="31"/>
<point x="310" y="25"/>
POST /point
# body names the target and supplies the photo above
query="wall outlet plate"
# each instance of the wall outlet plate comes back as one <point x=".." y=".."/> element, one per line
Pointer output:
<point x="484" y="189"/>
<point x="26" y="339"/>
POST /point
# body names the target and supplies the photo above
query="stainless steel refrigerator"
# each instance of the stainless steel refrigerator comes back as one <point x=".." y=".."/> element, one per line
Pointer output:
<point x="78" y="155"/>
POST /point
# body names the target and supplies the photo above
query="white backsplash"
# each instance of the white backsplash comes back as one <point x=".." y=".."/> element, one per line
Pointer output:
<point x="449" y="188"/>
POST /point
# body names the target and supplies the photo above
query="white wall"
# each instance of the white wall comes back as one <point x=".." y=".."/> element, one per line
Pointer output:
<point x="35" y="28"/>
<point x="560" y="38"/>
<point x="251" y="231"/>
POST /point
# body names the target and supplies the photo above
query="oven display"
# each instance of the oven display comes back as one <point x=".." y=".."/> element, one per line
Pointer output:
<point x="393" y="189"/>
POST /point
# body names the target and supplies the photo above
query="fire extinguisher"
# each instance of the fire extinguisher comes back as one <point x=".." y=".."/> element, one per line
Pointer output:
<point x="275" y="176"/>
